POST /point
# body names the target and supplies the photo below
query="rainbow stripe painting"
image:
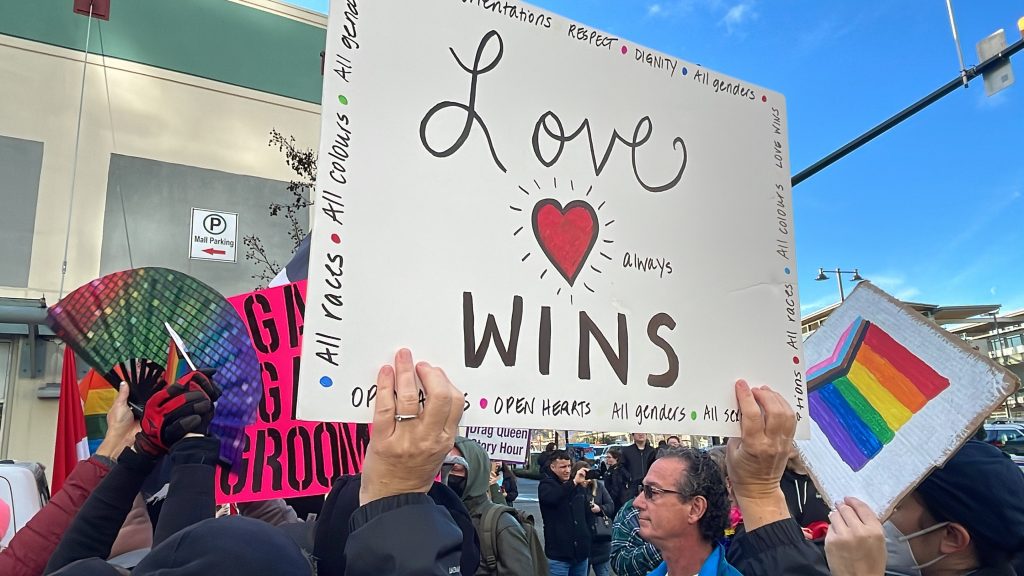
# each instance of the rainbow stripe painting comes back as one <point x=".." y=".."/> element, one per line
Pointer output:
<point x="869" y="387"/>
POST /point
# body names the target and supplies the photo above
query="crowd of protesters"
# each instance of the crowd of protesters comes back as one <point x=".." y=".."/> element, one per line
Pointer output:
<point x="749" y="509"/>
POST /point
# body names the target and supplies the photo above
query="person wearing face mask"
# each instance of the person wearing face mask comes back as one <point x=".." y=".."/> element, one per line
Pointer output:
<point x="467" y="471"/>
<point x="966" y="518"/>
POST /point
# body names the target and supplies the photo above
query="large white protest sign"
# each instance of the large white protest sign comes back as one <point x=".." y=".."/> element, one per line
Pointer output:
<point x="584" y="233"/>
<point x="502" y="444"/>
<point x="892" y="395"/>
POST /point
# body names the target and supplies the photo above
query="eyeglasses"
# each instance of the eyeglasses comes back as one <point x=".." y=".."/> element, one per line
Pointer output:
<point x="651" y="491"/>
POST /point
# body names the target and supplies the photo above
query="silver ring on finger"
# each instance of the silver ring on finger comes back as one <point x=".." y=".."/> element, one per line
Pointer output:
<point x="404" y="417"/>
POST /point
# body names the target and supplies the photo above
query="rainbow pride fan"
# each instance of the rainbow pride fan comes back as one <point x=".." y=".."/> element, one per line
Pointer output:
<point x="116" y="324"/>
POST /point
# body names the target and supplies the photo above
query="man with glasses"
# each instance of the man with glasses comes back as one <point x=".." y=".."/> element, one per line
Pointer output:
<point x="683" y="511"/>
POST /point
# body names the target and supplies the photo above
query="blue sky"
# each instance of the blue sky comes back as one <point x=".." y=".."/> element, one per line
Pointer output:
<point x="932" y="211"/>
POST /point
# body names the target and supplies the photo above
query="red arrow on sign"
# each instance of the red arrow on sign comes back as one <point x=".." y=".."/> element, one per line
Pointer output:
<point x="212" y="251"/>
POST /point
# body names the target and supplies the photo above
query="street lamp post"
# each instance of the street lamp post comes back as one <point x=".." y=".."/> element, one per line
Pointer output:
<point x="839" y="277"/>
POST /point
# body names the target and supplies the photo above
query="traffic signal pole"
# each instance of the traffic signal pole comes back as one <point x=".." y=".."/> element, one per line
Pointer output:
<point x="960" y="80"/>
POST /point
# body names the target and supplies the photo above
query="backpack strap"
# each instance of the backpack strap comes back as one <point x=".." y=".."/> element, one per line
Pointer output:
<point x="489" y="535"/>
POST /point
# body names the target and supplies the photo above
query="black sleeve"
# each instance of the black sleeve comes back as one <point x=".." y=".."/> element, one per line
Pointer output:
<point x="400" y="535"/>
<point x="777" y="548"/>
<point x="190" y="497"/>
<point x="95" y="527"/>
<point x="553" y="494"/>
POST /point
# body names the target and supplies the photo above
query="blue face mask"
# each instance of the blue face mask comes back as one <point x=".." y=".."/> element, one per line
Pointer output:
<point x="900" y="559"/>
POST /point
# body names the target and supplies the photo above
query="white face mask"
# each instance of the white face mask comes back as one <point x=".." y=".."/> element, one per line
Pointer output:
<point x="899" y="556"/>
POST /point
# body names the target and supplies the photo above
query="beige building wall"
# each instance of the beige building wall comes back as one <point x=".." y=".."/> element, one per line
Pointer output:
<point x="150" y="113"/>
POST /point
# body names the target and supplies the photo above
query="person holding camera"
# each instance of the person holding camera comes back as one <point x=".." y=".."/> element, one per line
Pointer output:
<point x="602" y="512"/>
<point x="565" y="507"/>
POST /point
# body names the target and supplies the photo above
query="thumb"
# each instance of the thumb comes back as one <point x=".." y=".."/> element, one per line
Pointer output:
<point x="122" y="394"/>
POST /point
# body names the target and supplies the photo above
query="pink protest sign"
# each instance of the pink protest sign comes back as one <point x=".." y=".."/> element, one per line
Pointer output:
<point x="284" y="457"/>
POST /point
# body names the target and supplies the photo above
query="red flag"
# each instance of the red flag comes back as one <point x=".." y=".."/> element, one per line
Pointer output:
<point x="72" y="443"/>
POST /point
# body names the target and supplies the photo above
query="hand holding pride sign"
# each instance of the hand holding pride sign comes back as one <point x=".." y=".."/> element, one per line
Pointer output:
<point x="892" y="396"/>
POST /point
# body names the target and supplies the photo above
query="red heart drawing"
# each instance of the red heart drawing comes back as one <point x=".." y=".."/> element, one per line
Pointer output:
<point x="566" y="235"/>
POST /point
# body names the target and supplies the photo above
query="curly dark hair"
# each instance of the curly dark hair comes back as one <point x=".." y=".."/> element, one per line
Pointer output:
<point x="703" y="478"/>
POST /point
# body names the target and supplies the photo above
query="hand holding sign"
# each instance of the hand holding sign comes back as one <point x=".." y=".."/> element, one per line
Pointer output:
<point x="408" y="446"/>
<point x="855" y="543"/>
<point x="758" y="458"/>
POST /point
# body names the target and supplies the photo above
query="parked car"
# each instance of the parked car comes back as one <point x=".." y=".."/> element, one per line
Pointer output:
<point x="23" y="486"/>
<point x="1008" y="437"/>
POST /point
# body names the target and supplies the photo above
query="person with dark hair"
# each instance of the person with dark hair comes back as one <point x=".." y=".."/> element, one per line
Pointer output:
<point x="673" y="442"/>
<point x="509" y="484"/>
<point x="616" y="478"/>
<point x="966" y="517"/>
<point x="602" y="510"/>
<point x="565" y="510"/>
<point x="542" y="458"/>
<point x="637" y="459"/>
<point x="683" y="510"/>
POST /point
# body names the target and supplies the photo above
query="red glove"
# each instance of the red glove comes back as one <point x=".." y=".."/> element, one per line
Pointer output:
<point x="185" y="407"/>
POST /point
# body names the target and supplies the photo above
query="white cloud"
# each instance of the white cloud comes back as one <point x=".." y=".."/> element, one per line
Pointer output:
<point x="895" y="285"/>
<point x="992" y="290"/>
<point x="738" y="15"/>
<point x="654" y="10"/>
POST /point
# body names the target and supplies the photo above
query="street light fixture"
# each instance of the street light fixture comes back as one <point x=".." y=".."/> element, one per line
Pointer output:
<point x="839" y="276"/>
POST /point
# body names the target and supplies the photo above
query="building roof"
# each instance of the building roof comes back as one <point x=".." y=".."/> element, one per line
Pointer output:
<point x="939" y="314"/>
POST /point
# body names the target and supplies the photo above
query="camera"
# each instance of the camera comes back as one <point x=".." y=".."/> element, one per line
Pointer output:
<point x="593" y="475"/>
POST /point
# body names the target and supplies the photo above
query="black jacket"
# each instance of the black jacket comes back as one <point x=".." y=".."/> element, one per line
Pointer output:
<point x="566" y="514"/>
<point x="637" y="462"/>
<point x="601" y="547"/>
<point x="190" y="499"/>
<point x="775" y="549"/>
<point x="432" y="541"/>
<point x="617" y="481"/>
<point x="327" y="537"/>
<point x="806" y="505"/>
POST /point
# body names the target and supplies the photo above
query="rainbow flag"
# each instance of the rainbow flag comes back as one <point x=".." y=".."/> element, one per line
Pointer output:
<point x="98" y="396"/>
<point x="869" y="387"/>
<point x="177" y="366"/>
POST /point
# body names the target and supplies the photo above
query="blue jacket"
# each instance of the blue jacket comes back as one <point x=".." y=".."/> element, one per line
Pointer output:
<point x="715" y="565"/>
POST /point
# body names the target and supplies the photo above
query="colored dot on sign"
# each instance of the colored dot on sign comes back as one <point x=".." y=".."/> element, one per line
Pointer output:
<point x="625" y="50"/>
<point x="337" y="239"/>
<point x="693" y="415"/>
<point x="685" y="71"/>
<point x="787" y="270"/>
<point x="343" y="100"/>
<point x="326" y="382"/>
<point x="796" y="360"/>
<point x="764" y="98"/>
<point x="483" y="403"/>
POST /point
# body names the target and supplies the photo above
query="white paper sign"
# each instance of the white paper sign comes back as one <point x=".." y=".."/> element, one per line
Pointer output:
<point x="892" y="395"/>
<point x="213" y="235"/>
<point x="584" y="233"/>
<point x="502" y="444"/>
